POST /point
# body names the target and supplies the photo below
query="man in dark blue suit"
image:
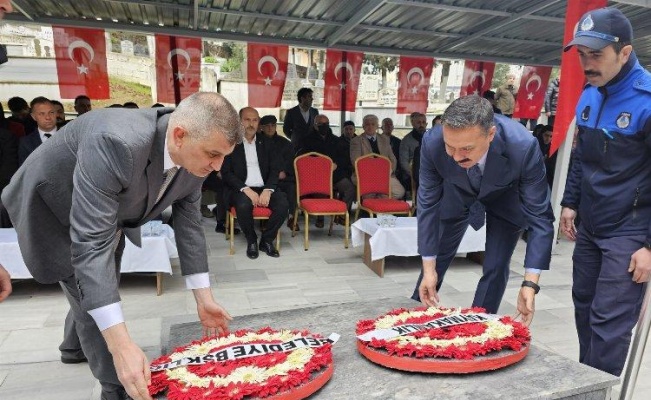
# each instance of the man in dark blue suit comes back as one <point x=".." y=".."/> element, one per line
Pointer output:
<point x="46" y="122"/>
<point x="475" y="163"/>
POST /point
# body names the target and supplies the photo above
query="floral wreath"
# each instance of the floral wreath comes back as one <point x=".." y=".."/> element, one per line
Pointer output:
<point x="259" y="376"/>
<point x="463" y="341"/>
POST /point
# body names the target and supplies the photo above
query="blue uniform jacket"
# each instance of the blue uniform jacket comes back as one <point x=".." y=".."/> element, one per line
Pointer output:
<point x="513" y="188"/>
<point x="609" y="182"/>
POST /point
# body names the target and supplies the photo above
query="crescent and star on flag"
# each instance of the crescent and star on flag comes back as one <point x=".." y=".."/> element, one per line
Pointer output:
<point x="475" y="75"/>
<point x="534" y="78"/>
<point x="81" y="44"/>
<point x="419" y="72"/>
<point x="179" y="76"/>
<point x="349" y="74"/>
<point x="271" y="60"/>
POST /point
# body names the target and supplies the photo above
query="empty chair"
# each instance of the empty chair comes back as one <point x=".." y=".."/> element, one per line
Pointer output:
<point x="373" y="172"/>
<point x="314" y="193"/>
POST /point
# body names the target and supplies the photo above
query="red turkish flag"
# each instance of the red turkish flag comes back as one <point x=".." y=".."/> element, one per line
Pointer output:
<point x="477" y="77"/>
<point x="531" y="94"/>
<point x="572" y="80"/>
<point x="81" y="62"/>
<point x="343" y="69"/>
<point x="178" y="67"/>
<point x="413" y="84"/>
<point x="266" y="73"/>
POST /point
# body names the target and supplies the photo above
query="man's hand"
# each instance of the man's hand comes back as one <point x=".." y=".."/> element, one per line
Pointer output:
<point x="265" y="196"/>
<point x="282" y="175"/>
<point x="251" y="194"/>
<point x="130" y="362"/>
<point x="213" y="317"/>
<point x="527" y="300"/>
<point x="427" y="288"/>
<point x="5" y="283"/>
<point x="548" y="113"/>
<point x="640" y="265"/>
<point x="567" y="223"/>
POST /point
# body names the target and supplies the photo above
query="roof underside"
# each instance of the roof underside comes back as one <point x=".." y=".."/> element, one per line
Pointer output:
<point x="509" y="31"/>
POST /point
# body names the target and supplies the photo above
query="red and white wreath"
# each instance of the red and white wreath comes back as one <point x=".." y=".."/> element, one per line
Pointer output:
<point x="196" y="371"/>
<point x="442" y="332"/>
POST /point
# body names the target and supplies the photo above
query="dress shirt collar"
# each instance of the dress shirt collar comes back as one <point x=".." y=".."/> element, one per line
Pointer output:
<point x="482" y="162"/>
<point x="167" y="159"/>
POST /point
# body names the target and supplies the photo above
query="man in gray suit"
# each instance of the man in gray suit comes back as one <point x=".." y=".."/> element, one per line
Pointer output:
<point x="114" y="172"/>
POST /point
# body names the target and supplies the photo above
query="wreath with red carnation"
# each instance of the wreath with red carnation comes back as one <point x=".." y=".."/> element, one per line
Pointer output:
<point x="293" y="374"/>
<point x="468" y="343"/>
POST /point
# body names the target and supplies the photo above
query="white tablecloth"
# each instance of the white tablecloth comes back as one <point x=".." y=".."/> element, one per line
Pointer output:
<point x="153" y="256"/>
<point x="402" y="239"/>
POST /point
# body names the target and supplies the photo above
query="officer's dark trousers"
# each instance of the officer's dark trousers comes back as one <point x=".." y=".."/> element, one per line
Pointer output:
<point x="501" y="238"/>
<point x="606" y="300"/>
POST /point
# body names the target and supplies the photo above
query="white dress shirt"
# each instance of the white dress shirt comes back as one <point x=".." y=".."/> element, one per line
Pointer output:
<point x="253" y="173"/>
<point x="42" y="134"/>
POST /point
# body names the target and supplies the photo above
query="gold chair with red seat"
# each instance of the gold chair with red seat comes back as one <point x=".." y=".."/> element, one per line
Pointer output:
<point x="373" y="173"/>
<point x="259" y="213"/>
<point x="314" y="178"/>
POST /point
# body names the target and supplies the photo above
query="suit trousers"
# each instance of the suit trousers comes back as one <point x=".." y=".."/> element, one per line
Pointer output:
<point x="92" y="342"/>
<point x="289" y="188"/>
<point x="501" y="239"/>
<point x="244" y="208"/>
<point x="607" y="302"/>
<point x="347" y="192"/>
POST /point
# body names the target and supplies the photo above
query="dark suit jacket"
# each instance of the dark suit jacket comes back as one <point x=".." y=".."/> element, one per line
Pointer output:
<point x="283" y="149"/>
<point x="513" y="188"/>
<point x="234" y="172"/>
<point x="295" y="127"/>
<point x="329" y="146"/>
<point x="8" y="157"/>
<point x="102" y="172"/>
<point x="27" y="145"/>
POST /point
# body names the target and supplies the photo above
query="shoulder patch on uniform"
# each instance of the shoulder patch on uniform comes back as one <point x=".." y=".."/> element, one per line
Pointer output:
<point x="643" y="83"/>
<point x="585" y="114"/>
<point x="623" y="120"/>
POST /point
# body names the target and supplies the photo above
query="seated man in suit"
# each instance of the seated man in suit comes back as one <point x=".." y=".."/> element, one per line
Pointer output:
<point x="251" y="174"/>
<point x="46" y="122"/>
<point x="97" y="181"/>
<point x="475" y="164"/>
<point x="285" y="152"/>
<point x="299" y="119"/>
<point x="322" y="140"/>
<point x="410" y="143"/>
<point x="370" y="142"/>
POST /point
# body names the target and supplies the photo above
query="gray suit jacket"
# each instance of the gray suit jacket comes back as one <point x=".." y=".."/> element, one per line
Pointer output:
<point x="360" y="146"/>
<point x="101" y="172"/>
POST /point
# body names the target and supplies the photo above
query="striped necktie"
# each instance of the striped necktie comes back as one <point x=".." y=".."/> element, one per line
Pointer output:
<point x="168" y="176"/>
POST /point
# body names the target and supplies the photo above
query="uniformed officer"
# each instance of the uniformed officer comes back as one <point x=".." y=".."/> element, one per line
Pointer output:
<point x="609" y="185"/>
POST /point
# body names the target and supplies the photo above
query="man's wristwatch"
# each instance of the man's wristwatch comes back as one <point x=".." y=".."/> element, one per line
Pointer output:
<point x="532" y="285"/>
<point x="647" y="245"/>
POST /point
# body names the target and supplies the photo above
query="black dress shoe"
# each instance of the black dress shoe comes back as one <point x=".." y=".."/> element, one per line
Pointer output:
<point x="269" y="249"/>
<point x="221" y="228"/>
<point x="252" y="250"/>
<point x="68" y="360"/>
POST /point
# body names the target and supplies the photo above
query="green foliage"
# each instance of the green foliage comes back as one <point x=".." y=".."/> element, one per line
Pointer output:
<point x="210" y="60"/>
<point x="234" y="54"/>
<point x="376" y="64"/>
<point x="499" y="76"/>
